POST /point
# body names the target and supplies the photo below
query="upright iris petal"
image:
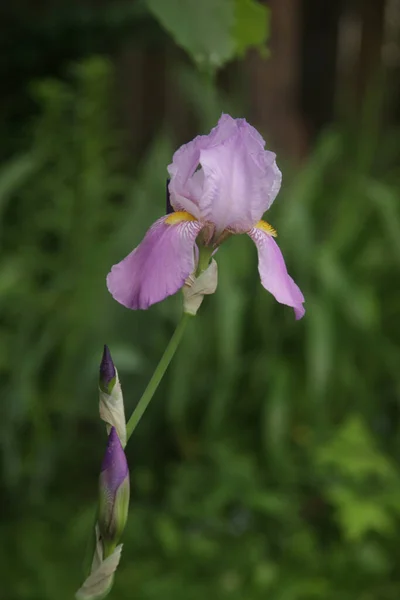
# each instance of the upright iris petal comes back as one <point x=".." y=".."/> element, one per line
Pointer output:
<point x="236" y="170"/>
<point x="220" y="184"/>
<point x="186" y="185"/>
<point x="238" y="179"/>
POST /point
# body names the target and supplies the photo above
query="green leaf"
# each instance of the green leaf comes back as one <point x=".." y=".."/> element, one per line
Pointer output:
<point x="14" y="174"/>
<point x="360" y="515"/>
<point x="203" y="28"/>
<point x="251" y="26"/>
<point x="213" y="32"/>
<point x="353" y="439"/>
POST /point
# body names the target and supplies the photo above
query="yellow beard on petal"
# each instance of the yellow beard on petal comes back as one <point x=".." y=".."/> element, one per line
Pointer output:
<point x="179" y="216"/>
<point x="264" y="226"/>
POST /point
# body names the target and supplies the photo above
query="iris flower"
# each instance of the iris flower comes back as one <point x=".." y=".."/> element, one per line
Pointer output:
<point x="221" y="184"/>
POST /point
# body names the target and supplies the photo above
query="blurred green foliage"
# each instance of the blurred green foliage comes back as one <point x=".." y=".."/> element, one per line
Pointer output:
<point x="266" y="463"/>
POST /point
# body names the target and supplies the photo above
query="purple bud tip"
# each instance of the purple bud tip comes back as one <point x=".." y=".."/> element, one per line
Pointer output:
<point x="107" y="370"/>
<point x="114" y="467"/>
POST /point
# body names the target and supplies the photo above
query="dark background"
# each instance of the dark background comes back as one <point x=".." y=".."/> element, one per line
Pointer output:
<point x="267" y="465"/>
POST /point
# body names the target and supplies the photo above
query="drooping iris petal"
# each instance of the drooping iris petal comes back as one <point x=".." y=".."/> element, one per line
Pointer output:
<point x="273" y="272"/>
<point x="158" y="267"/>
<point x="186" y="183"/>
<point x="241" y="180"/>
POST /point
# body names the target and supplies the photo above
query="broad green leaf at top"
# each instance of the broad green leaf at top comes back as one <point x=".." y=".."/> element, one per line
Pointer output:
<point x="251" y="27"/>
<point x="212" y="31"/>
<point x="202" y="27"/>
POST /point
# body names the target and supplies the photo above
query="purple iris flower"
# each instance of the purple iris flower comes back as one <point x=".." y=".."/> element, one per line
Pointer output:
<point x="221" y="184"/>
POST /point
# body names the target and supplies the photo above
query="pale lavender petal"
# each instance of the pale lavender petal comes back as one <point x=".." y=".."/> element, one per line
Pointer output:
<point x="226" y="177"/>
<point x="241" y="180"/>
<point x="273" y="272"/>
<point x="158" y="267"/>
<point x="186" y="184"/>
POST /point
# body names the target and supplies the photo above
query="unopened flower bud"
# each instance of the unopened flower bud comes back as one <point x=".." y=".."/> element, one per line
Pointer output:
<point x="108" y="373"/>
<point x="111" y="399"/>
<point x="114" y="493"/>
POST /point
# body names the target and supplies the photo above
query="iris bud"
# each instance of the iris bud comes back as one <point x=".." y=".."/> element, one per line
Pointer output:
<point x="111" y="401"/>
<point x="114" y="493"/>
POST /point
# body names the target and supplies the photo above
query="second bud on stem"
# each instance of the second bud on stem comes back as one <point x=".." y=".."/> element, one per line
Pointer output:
<point x="114" y="493"/>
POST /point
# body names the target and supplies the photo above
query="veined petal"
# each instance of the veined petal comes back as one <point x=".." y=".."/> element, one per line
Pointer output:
<point x="186" y="158"/>
<point x="273" y="272"/>
<point x="241" y="180"/>
<point x="159" y="266"/>
<point x="186" y="184"/>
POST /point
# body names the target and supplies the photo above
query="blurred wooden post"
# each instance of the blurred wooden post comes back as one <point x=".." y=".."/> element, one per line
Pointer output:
<point x="361" y="44"/>
<point x="319" y="54"/>
<point x="372" y="33"/>
<point x="274" y="83"/>
<point x="141" y="94"/>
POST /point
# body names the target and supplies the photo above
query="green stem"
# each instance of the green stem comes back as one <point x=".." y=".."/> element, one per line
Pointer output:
<point x="157" y="376"/>
<point x="90" y="544"/>
<point x="205" y="253"/>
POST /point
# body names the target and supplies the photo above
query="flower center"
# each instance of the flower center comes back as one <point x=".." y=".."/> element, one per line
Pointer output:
<point x="179" y="216"/>
<point x="264" y="226"/>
